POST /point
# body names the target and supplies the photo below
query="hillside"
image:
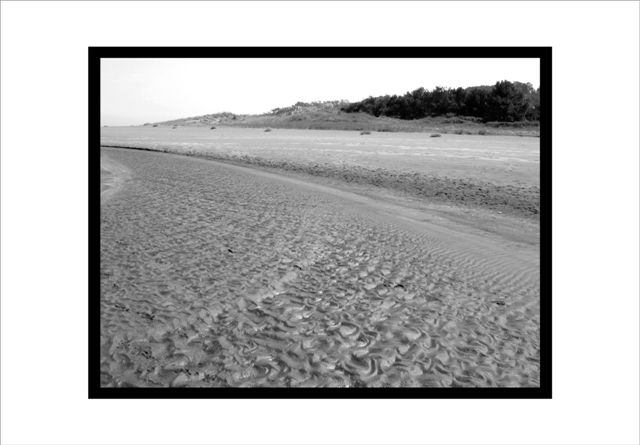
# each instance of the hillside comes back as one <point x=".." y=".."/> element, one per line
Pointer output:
<point x="329" y="116"/>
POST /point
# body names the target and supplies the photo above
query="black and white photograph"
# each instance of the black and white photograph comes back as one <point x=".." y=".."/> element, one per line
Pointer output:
<point x="319" y="222"/>
<point x="366" y="221"/>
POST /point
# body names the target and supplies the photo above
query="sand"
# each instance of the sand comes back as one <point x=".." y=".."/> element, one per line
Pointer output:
<point x="496" y="173"/>
<point x="112" y="178"/>
<point x="220" y="275"/>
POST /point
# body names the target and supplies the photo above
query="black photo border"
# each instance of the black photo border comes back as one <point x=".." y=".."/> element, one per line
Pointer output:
<point x="98" y="53"/>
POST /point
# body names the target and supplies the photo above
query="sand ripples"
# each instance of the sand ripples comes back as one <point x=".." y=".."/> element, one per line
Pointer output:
<point x="212" y="277"/>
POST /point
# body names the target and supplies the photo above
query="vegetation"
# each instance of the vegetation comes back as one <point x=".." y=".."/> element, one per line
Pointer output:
<point x="505" y="102"/>
<point x="507" y="108"/>
<point x="306" y="108"/>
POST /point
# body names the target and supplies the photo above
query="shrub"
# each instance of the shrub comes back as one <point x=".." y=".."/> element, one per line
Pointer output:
<point x="155" y="125"/>
<point x="482" y="132"/>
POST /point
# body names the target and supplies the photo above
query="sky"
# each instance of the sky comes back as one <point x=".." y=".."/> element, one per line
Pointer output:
<point x="135" y="91"/>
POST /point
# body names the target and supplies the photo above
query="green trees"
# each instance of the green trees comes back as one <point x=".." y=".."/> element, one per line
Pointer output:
<point x="505" y="101"/>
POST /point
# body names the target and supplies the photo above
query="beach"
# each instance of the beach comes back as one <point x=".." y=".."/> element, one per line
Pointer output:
<point x="214" y="274"/>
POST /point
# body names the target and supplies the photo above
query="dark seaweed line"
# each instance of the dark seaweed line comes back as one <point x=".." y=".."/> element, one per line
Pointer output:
<point x="520" y="201"/>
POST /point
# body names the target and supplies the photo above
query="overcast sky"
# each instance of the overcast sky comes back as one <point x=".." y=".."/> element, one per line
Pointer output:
<point x="134" y="91"/>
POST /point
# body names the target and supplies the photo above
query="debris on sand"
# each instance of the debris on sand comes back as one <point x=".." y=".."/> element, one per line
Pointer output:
<point x="435" y="135"/>
<point x="266" y="130"/>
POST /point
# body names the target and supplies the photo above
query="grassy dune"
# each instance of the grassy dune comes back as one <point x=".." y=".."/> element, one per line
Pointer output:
<point x="331" y="118"/>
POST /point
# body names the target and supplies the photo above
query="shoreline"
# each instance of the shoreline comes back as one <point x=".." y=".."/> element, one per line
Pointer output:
<point x="466" y="193"/>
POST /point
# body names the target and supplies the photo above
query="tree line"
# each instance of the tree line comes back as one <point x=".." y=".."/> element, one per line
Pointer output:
<point x="505" y="102"/>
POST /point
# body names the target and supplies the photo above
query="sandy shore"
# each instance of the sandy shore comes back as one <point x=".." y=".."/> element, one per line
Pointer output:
<point x="216" y="275"/>
<point x="496" y="173"/>
<point x="112" y="177"/>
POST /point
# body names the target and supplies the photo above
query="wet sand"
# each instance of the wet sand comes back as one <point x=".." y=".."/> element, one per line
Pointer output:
<point x="221" y="275"/>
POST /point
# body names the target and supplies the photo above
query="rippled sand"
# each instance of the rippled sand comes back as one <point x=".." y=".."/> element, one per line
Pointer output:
<point x="215" y="275"/>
